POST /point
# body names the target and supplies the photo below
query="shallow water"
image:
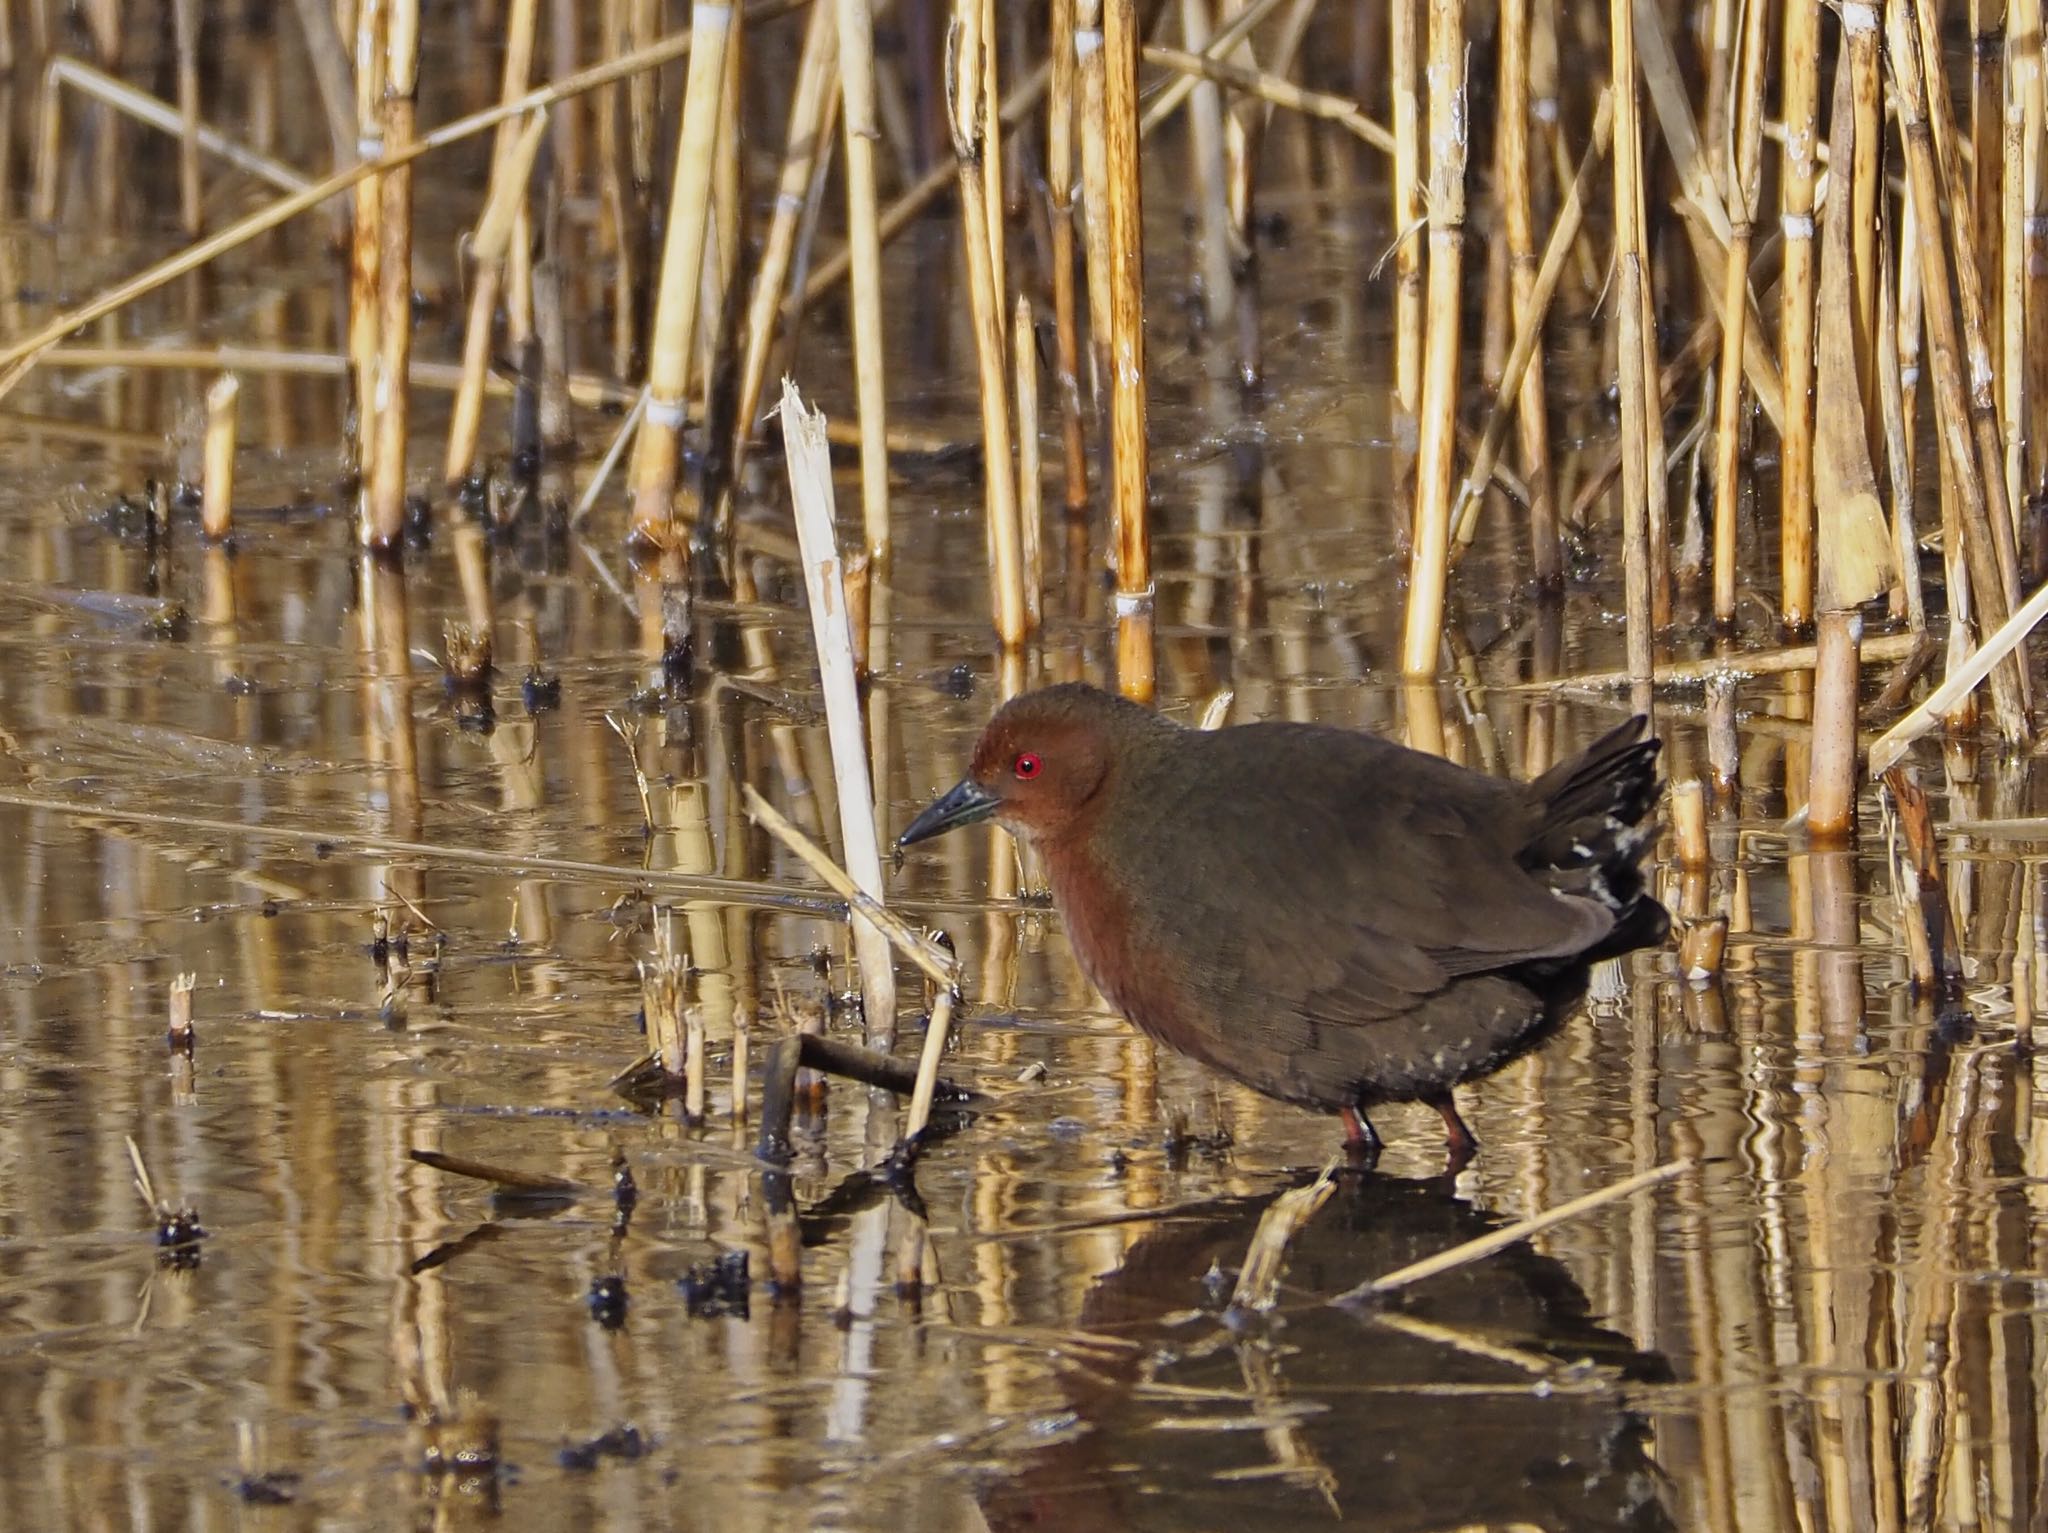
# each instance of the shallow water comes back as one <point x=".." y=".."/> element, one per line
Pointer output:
<point x="1834" y="1320"/>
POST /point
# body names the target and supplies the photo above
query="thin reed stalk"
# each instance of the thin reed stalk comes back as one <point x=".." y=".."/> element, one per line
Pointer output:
<point x="1030" y="471"/>
<point x="1403" y="44"/>
<point x="509" y="173"/>
<point x="809" y="462"/>
<point x="1742" y="193"/>
<point x="1546" y="552"/>
<point x="864" y="245"/>
<point x="1088" y="68"/>
<point x="1800" y="72"/>
<point x="1636" y="398"/>
<point x="365" y="245"/>
<point x="1059" y="193"/>
<point x="1129" y="513"/>
<point x="657" y="451"/>
<point x="966" y="100"/>
<point x="391" y="396"/>
<point x="1437" y="441"/>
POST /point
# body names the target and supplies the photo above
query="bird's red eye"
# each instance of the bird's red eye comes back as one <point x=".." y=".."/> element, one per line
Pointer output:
<point x="1028" y="766"/>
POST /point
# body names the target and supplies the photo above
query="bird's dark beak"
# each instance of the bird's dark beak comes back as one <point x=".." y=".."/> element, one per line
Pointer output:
<point x="966" y="802"/>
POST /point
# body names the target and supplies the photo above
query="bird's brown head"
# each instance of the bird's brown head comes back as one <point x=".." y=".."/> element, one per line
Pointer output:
<point x="1041" y="762"/>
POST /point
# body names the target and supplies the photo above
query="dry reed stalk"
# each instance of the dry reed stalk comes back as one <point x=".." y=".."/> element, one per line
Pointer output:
<point x="1636" y="467"/>
<point x="2020" y="187"/>
<point x="1862" y="59"/>
<point x="1689" y="826"/>
<point x="1855" y="541"/>
<point x="936" y="1032"/>
<point x="1094" y="185"/>
<point x="1404" y="58"/>
<point x="150" y="111"/>
<point x="657" y="452"/>
<point x="812" y="104"/>
<point x="1128" y="509"/>
<point x="1799" y="169"/>
<point x="1267" y="86"/>
<point x="992" y="166"/>
<point x="1506" y="409"/>
<point x="384" y="506"/>
<point x="217" y="484"/>
<point x="365" y="246"/>
<point x="1756" y="662"/>
<point x="1059" y="194"/>
<point x="726" y="232"/>
<point x="1939" y="112"/>
<point x="1952" y="410"/>
<point x="864" y="244"/>
<point x="1546" y="564"/>
<point x="1831" y="795"/>
<point x="512" y="156"/>
<point x="1912" y="603"/>
<point x="1436" y="443"/>
<point x="742" y="1048"/>
<point x="1258" y="1276"/>
<point x="1216" y="260"/>
<point x="1724" y="749"/>
<point x="1960" y="682"/>
<point x="2030" y="79"/>
<point x="1742" y="193"/>
<point x="966" y="99"/>
<point x="1513" y="1234"/>
<point x="185" y="43"/>
<point x="809" y="461"/>
<point x="937" y="963"/>
<point x="1030" y="470"/>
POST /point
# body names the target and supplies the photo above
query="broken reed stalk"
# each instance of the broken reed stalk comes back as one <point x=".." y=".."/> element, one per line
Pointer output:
<point x="217" y="481"/>
<point x="1129" y="513"/>
<point x="511" y="166"/>
<point x="864" y="246"/>
<point x="1831" y="797"/>
<point x="1436" y="442"/>
<point x="693" y="1063"/>
<point x="1952" y="411"/>
<point x="742" y="1043"/>
<point x="152" y="112"/>
<point x="391" y="394"/>
<point x="1513" y="1234"/>
<point x="1258" y="1277"/>
<point x="1800" y="70"/>
<point x="1931" y="925"/>
<point x="935" y="1035"/>
<point x="1756" y="662"/>
<point x="966" y="103"/>
<point x="1959" y="683"/>
<point x="1742" y="194"/>
<point x="657" y="452"/>
<point x="1059" y="194"/>
<point x="937" y="963"/>
<point x="809" y="462"/>
<point x="179" y="1034"/>
<point x="1702" y="948"/>
<point x="662" y="977"/>
<point x="1030" y="469"/>
<point x="1266" y="86"/>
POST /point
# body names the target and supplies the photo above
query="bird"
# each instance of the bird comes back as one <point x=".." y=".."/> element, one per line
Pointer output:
<point x="1327" y="916"/>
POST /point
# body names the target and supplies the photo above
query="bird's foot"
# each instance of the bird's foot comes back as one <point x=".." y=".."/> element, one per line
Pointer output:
<point x="1459" y="1144"/>
<point x="1361" y="1140"/>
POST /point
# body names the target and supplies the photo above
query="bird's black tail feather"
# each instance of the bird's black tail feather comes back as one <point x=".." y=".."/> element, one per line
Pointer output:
<point x="1596" y="825"/>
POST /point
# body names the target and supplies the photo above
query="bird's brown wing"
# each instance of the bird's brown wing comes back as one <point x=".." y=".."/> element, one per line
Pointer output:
<point x="1371" y="875"/>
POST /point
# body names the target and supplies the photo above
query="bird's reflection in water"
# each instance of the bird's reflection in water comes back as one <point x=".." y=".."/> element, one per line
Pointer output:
<point x="1486" y="1396"/>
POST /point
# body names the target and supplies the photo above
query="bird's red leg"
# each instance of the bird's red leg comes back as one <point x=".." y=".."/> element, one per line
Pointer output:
<point x="1458" y="1140"/>
<point x="1360" y="1138"/>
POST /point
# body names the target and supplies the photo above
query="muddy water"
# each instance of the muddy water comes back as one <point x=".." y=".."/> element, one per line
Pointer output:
<point x="1831" y="1321"/>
